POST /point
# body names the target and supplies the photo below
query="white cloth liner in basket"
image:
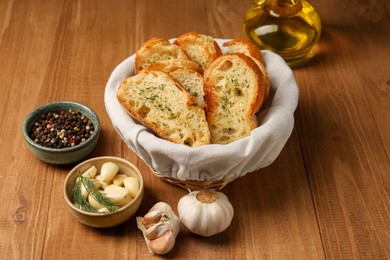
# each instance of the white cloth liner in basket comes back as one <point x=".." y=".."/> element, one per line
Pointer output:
<point x="212" y="162"/>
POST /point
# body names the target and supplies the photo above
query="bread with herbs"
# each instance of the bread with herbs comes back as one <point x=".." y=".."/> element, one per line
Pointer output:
<point x="248" y="48"/>
<point x="158" y="101"/>
<point x="172" y="65"/>
<point x="234" y="92"/>
<point x="200" y="48"/>
<point x="154" y="50"/>
<point x="192" y="81"/>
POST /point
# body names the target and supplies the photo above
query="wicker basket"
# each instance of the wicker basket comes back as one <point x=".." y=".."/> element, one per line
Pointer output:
<point x="192" y="185"/>
<point x="211" y="166"/>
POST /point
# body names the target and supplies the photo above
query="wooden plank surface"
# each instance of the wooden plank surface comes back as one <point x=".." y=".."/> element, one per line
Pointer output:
<point x="325" y="197"/>
<point x="343" y="128"/>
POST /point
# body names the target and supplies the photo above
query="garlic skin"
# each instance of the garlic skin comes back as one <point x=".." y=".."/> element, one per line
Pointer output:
<point x="160" y="226"/>
<point x="205" y="212"/>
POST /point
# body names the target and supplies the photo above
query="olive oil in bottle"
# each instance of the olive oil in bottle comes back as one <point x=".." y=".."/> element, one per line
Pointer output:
<point x="290" y="28"/>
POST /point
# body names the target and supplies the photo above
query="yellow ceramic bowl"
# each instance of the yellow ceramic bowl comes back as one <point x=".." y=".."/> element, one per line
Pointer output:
<point x="97" y="219"/>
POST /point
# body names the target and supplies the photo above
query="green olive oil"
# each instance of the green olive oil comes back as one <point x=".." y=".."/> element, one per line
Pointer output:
<point x="290" y="28"/>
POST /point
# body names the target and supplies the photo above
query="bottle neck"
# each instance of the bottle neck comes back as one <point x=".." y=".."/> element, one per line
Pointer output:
<point x="283" y="8"/>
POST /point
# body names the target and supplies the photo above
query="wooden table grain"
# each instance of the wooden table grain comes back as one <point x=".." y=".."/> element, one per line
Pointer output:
<point x="327" y="196"/>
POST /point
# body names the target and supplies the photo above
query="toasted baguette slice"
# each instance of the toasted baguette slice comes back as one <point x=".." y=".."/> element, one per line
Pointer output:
<point x="158" y="101"/>
<point x="170" y="66"/>
<point x="154" y="50"/>
<point x="245" y="47"/>
<point x="248" y="48"/>
<point x="199" y="48"/>
<point x="234" y="92"/>
<point x="192" y="81"/>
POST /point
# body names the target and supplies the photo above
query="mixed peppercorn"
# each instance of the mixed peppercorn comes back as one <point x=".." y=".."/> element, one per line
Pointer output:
<point x="62" y="129"/>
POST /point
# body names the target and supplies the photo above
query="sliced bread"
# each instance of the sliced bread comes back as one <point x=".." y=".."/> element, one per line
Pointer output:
<point x="200" y="48"/>
<point x="157" y="49"/>
<point x="248" y="48"/>
<point x="234" y="92"/>
<point x="157" y="100"/>
<point x="192" y="81"/>
<point x="170" y="66"/>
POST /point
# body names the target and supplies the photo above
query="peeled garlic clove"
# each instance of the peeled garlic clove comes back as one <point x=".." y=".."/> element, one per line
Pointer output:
<point x="115" y="189"/>
<point x="118" y="179"/>
<point x="132" y="184"/>
<point x="83" y="191"/>
<point x="103" y="185"/>
<point x="96" y="184"/>
<point x="108" y="171"/>
<point x="118" y="195"/>
<point x="118" y="200"/>
<point x="90" y="173"/>
<point x="104" y="210"/>
<point x="94" y="203"/>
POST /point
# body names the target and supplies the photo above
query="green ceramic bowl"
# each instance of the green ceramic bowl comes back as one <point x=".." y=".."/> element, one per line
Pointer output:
<point x="100" y="220"/>
<point x="61" y="155"/>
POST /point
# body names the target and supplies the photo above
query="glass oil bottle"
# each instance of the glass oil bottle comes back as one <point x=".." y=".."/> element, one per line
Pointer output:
<point x="290" y="28"/>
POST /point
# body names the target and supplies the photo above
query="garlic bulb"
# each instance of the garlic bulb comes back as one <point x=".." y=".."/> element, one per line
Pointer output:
<point x="160" y="226"/>
<point x="205" y="212"/>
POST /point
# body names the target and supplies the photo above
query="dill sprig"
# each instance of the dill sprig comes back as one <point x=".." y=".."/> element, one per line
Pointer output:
<point x="100" y="197"/>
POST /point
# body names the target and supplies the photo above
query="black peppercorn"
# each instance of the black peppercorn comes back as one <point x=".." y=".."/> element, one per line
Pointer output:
<point x="61" y="129"/>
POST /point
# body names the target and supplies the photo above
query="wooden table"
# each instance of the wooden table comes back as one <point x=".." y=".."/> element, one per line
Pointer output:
<point x="327" y="196"/>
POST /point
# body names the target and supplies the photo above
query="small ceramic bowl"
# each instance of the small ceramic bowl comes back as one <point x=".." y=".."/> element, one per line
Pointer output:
<point x="101" y="220"/>
<point x="61" y="155"/>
